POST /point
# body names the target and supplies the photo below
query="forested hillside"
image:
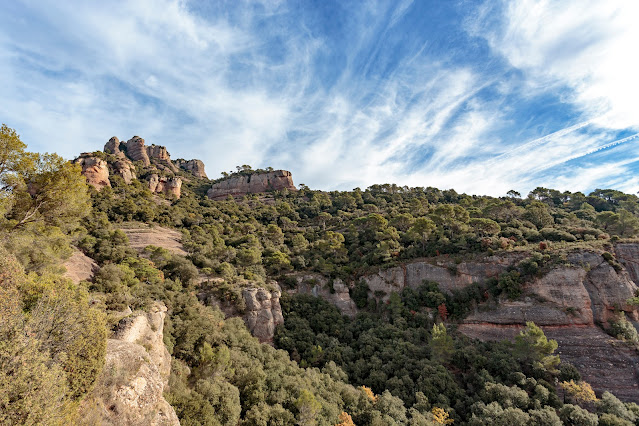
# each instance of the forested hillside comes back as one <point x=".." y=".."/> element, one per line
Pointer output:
<point x="366" y="352"/>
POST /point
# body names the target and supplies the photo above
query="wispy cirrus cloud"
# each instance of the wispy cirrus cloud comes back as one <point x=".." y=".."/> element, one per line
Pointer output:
<point x="343" y="94"/>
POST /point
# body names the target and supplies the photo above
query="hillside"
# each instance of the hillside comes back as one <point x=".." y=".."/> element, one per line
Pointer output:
<point x="247" y="300"/>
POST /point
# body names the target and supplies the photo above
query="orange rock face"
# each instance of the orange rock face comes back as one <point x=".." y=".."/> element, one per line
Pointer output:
<point x="169" y="186"/>
<point x="95" y="170"/>
<point x="256" y="183"/>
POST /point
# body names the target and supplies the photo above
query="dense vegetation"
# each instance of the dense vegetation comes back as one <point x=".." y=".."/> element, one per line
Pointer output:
<point x="395" y="363"/>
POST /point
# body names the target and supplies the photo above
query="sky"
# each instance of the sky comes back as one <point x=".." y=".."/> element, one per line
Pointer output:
<point x="479" y="96"/>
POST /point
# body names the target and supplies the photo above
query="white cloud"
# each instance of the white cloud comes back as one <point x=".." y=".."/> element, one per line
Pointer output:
<point x="587" y="45"/>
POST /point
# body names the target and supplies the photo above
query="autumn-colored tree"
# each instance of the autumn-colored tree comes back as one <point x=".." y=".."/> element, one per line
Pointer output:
<point x="580" y="391"/>
<point x="345" y="419"/>
<point x="369" y="393"/>
<point x="443" y="312"/>
<point x="441" y="416"/>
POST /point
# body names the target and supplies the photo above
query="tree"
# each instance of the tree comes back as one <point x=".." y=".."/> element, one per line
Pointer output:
<point x="307" y="407"/>
<point x="581" y="391"/>
<point x="52" y="192"/>
<point x="442" y="344"/>
<point x="533" y="347"/>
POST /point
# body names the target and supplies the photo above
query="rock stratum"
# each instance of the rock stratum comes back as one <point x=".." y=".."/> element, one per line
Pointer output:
<point x="573" y="302"/>
<point x="255" y="183"/>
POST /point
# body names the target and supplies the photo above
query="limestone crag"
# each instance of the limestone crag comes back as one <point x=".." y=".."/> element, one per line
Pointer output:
<point x="136" y="150"/>
<point x="95" y="170"/>
<point x="195" y="167"/>
<point x="320" y="286"/>
<point x="263" y="312"/>
<point x="169" y="186"/>
<point x="255" y="183"/>
<point x="130" y="388"/>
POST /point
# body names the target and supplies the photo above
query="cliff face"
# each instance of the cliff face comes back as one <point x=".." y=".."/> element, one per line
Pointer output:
<point x="263" y="312"/>
<point x="95" y="170"/>
<point x="136" y="150"/>
<point x="169" y="186"/>
<point x="195" y="167"/>
<point x="319" y="286"/>
<point x="129" y="390"/>
<point x="252" y="184"/>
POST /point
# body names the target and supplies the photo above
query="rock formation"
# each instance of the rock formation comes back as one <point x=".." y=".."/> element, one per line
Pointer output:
<point x="160" y="157"/>
<point x="157" y="152"/>
<point x="129" y="390"/>
<point x="124" y="168"/>
<point x="95" y="170"/>
<point x="196" y="167"/>
<point x="169" y="186"/>
<point x="136" y="150"/>
<point x="252" y="184"/>
<point x="113" y="147"/>
<point x="319" y="286"/>
<point x="263" y="312"/>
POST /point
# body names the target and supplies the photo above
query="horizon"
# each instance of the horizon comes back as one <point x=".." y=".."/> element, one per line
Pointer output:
<point x="479" y="97"/>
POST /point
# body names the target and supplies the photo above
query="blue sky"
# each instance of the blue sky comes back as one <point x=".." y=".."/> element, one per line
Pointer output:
<point x="481" y="97"/>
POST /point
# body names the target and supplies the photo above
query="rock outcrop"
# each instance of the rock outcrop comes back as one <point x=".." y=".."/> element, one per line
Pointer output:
<point x="255" y="183"/>
<point x="335" y="292"/>
<point x="160" y="157"/>
<point x="263" y="312"/>
<point x="449" y="275"/>
<point x="136" y="150"/>
<point x="125" y="169"/>
<point x="95" y="170"/>
<point x="113" y="147"/>
<point x="129" y="390"/>
<point x="169" y="186"/>
<point x="195" y="167"/>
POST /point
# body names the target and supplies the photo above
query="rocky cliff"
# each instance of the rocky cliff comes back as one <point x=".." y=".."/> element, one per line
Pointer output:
<point x="335" y="291"/>
<point x="195" y="167"/>
<point x="255" y="183"/>
<point x="129" y="390"/>
<point x="154" y="158"/>
<point x="169" y="186"/>
<point x="263" y="312"/>
<point x="95" y="170"/>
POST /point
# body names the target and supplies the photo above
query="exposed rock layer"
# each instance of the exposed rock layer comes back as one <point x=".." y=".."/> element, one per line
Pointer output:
<point x="603" y="362"/>
<point x="252" y="184"/>
<point x="169" y="186"/>
<point x="129" y="390"/>
<point x="136" y="150"/>
<point x="317" y="285"/>
<point x="195" y="167"/>
<point x="263" y="312"/>
<point x="95" y="170"/>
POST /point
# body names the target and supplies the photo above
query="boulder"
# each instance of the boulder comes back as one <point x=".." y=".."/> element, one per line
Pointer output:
<point x="263" y="312"/>
<point x="195" y="167"/>
<point x="136" y="150"/>
<point x="95" y="170"/>
<point x="255" y="183"/>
